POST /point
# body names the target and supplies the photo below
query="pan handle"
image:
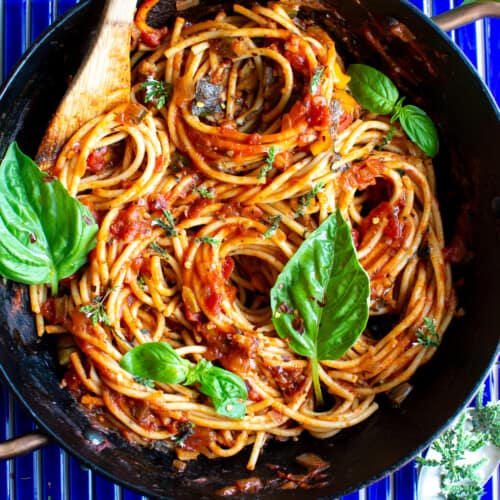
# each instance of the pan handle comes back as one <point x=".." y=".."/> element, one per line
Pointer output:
<point x="22" y="445"/>
<point x="465" y="14"/>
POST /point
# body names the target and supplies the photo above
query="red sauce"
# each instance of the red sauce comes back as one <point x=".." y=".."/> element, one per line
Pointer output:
<point x="131" y="224"/>
<point x="199" y="439"/>
<point x="153" y="37"/>
<point x="295" y="54"/>
<point x="72" y="381"/>
<point x="362" y="174"/>
<point x="227" y="267"/>
<point x="290" y="379"/>
<point x="98" y="160"/>
<point x="456" y="250"/>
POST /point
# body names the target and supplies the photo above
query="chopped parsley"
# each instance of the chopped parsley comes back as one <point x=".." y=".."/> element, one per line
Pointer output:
<point x="306" y="199"/>
<point x="207" y="239"/>
<point x="178" y="162"/>
<point x="158" y="249"/>
<point x="168" y="226"/>
<point x="203" y="192"/>
<point x="387" y="138"/>
<point x="316" y="79"/>
<point x="427" y="336"/>
<point x="271" y="155"/>
<point x="185" y="430"/>
<point x="144" y="381"/>
<point x="274" y="222"/>
<point x="141" y="282"/>
<point x="157" y="91"/>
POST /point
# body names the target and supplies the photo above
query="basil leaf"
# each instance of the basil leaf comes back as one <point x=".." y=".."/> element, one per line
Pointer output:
<point x="45" y="233"/>
<point x="420" y="129"/>
<point x="156" y="361"/>
<point x="227" y="390"/>
<point x="372" y="89"/>
<point x="320" y="301"/>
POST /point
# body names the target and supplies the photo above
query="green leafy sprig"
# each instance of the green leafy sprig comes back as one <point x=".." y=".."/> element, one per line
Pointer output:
<point x="157" y="91"/>
<point x="160" y="362"/>
<point x="274" y="223"/>
<point x="203" y="192"/>
<point x="207" y="239"/>
<point x="306" y="199"/>
<point x="459" y="478"/>
<point x="377" y="93"/>
<point x="428" y="336"/>
<point x="96" y="310"/>
<point x="271" y="155"/>
<point x="168" y="225"/>
<point x="316" y="80"/>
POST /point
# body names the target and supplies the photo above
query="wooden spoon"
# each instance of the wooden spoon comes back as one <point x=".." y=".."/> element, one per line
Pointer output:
<point x="102" y="82"/>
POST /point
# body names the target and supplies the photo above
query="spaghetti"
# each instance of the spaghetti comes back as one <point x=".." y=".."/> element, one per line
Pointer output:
<point x="202" y="194"/>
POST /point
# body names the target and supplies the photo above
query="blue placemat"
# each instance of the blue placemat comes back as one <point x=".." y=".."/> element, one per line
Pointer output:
<point x="51" y="474"/>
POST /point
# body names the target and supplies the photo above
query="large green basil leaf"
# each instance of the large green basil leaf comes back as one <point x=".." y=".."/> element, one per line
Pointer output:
<point x="372" y="89"/>
<point x="420" y="128"/>
<point x="156" y="361"/>
<point x="320" y="301"/>
<point x="227" y="390"/>
<point x="45" y="233"/>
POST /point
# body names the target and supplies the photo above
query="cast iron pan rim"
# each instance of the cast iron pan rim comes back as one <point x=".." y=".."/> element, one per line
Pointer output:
<point x="40" y="41"/>
<point x="417" y="451"/>
<point x="76" y="452"/>
<point x="458" y="52"/>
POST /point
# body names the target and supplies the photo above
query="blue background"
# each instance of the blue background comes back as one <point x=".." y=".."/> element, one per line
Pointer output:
<point x="51" y="474"/>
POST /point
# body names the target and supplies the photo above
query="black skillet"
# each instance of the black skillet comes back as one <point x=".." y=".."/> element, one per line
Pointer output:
<point x="433" y="73"/>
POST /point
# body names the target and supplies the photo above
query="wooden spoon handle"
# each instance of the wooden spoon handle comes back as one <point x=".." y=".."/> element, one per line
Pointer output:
<point x="102" y="82"/>
<point x="22" y="445"/>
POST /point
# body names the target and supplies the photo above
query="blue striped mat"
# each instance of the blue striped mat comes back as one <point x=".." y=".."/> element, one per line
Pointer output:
<point x="50" y="474"/>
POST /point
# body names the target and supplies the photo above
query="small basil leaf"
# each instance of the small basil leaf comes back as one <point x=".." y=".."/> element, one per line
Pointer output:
<point x="420" y="129"/>
<point x="320" y="301"/>
<point x="372" y="89"/>
<point x="227" y="390"/>
<point x="45" y="233"/>
<point x="156" y="361"/>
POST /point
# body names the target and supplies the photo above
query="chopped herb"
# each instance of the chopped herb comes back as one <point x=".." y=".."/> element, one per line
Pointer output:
<point x="140" y="282"/>
<point x="185" y="430"/>
<point x="158" y="249"/>
<point x="157" y="91"/>
<point x="306" y="199"/>
<point x="203" y="192"/>
<point x="169" y="226"/>
<point x="271" y="155"/>
<point x="428" y="336"/>
<point x="388" y="137"/>
<point x="274" y="222"/>
<point x="207" y="239"/>
<point x="144" y="381"/>
<point x="96" y="310"/>
<point x="178" y="162"/>
<point x="316" y="80"/>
